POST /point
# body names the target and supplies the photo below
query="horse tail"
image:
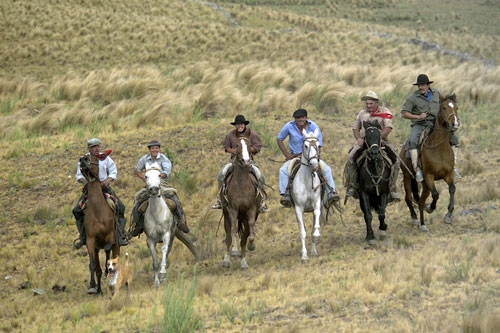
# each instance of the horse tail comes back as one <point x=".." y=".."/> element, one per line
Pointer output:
<point x="188" y="242"/>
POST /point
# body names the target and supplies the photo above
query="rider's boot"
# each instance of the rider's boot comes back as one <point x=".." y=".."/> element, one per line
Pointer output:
<point x="352" y="173"/>
<point x="181" y="225"/>
<point x="121" y="235"/>
<point x="218" y="204"/>
<point x="286" y="200"/>
<point x="137" y="221"/>
<point x="414" y="162"/>
<point x="455" y="169"/>
<point x="394" y="183"/>
<point x="82" y="239"/>
<point x="331" y="196"/>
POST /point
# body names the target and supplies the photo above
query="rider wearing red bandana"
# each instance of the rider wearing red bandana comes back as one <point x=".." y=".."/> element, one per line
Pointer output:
<point x="372" y="112"/>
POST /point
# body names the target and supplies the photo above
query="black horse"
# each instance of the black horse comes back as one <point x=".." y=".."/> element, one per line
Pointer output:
<point x="374" y="178"/>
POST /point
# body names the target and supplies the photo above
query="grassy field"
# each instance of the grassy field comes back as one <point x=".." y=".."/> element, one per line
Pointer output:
<point x="179" y="72"/>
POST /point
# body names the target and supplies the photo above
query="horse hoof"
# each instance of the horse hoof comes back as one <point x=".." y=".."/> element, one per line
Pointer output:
<point x="315" y="239"/>
<point x="244" y="264"/>
<point x="372" y="242"/>
<point x="448" y="219"/>
<point x="304" y="259"/>
<point x="415" y="222"/>
<point x="92" y="291"/>
<point x="428" y="209"/>
<point x="235" y="253"/>
<point x="226" y="264"/>
<point x="162" y="276"/>
<point x="251" y="246"/>
<point x="423" y="228"/>
<point x="382" y="234"/>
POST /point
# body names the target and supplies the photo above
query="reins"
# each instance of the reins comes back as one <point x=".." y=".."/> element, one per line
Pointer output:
<point x="314" y="143"/>
<point x="375" y="178"/>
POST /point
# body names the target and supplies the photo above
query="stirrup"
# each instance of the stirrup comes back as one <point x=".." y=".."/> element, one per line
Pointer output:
<point x="263" y="209"/>
<point x="77" y="243"/>
<point x="217" y="205"/>
<point x="419" y="177"/>
<point x="351" y="192"/>
<point x="456" y="173"/>
<point x="182" y="226"/>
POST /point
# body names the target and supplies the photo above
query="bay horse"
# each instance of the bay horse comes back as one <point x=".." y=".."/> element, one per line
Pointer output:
<point x="240" y="205"/>
<point x="159" y="223"/>
<point x="99" y="222"/>
<point x="374" y="181"/>
<point x="306" y="191"/>
<point x="437" y="162"/>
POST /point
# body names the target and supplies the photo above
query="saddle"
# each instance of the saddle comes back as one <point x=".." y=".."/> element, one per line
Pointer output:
<point x="229" y="177"/>
<point x="421" y="140"/>
<point x="142" y="198"/>
<point x="110" y="199"/>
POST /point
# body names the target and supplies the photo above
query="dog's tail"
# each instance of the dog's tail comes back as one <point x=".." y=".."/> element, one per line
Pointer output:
<point x="126" y="258"/>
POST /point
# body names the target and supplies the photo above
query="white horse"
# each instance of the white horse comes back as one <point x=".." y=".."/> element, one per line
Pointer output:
<point x="159" y="223"/>
<point x="306" y="191"/>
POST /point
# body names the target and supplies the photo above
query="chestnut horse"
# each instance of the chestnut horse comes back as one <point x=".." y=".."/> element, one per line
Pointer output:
<point x="99" y="222"/>
<point x="374" y="179"/>
<point x="240" y="205"/>
<point x="437" y="162"/>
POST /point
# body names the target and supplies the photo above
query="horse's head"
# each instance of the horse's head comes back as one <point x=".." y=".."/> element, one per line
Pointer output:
<point x="243" y="152"/>
<point x="89" y="166"/>
<point x="372" y="138"/>
<point x="310" y="149"/>
<point x="153" y="181"/>
<point x="448" y="113"/>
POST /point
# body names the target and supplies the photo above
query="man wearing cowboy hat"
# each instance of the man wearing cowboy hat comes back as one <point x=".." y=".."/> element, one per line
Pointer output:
<point x="372" y="112"/>
<point x="293" y="130"/>
<point x="230" y="143"/>
<point x="154" y="156"/>
<point x="422" y="108"/>
<point x="107" y="174"/>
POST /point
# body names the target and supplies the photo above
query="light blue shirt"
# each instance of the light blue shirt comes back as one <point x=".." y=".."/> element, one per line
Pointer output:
<point x="295" y="137"/>
<point x="147" y="161"/>
<point x="107" y="168"/>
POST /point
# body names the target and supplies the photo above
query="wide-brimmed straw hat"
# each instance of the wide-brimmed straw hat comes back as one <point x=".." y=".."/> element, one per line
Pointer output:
<point x="422" y="79"/>
<point x="93" y="142"/>
<point x="240" y="119"/>
<point x="370" y="95"/>
<point x="153" y="143"/>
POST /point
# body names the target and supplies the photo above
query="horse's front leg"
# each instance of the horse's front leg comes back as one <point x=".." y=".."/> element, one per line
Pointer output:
<point x="448" y="218"/>
<point x="98" y="271"/>
<point x="381" y="217"/>
<point x="252" y="217"/>
<point x="152" y="248"/>
<point x="92" y="267"/>
<point x="226" y="262"/>
<point x="316" y="234"/>
<point x="243" y="244"/>
<point x="364" y="203"/>
<point x="234" y="236"/>
<point x="299" y="213"/>
<point x="421" y="207"/>
<point x="164" y="253"/>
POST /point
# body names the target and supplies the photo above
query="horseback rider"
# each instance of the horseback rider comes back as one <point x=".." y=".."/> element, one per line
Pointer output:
<point x="154" y="156"/>
<point x="422" y="108"/>
<point x="372" y="112"/>
<point x="107" y="174"/>
<point x="230" y="145"/>
<point x="294" y="131"/>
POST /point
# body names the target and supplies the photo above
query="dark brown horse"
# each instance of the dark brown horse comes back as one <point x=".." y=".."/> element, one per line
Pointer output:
<point x="240" y="205"/>
<point x="99" y="222"/>
<point x="437" y="162"/>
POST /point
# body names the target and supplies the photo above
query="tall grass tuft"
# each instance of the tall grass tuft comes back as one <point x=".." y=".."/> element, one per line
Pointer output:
<point x="178" y="300"/>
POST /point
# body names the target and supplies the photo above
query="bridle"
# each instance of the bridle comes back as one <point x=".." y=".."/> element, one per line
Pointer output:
<point x="374" y="154"/>
<point x="87" y="170"/>
<point x="311" y="143"/>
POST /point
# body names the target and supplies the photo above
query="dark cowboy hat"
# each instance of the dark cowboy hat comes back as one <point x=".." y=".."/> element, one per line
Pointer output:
<point x="153" y="143"/>
<point x="422" y="79"/>
<point x="239" y="119"/>
<point x="300" y="113"/>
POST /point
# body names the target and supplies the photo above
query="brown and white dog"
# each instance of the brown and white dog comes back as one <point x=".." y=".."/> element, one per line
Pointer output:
<point x="118" y="276"/>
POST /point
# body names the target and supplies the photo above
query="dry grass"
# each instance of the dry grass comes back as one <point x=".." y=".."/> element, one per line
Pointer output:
<point x="179" y="72"/>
